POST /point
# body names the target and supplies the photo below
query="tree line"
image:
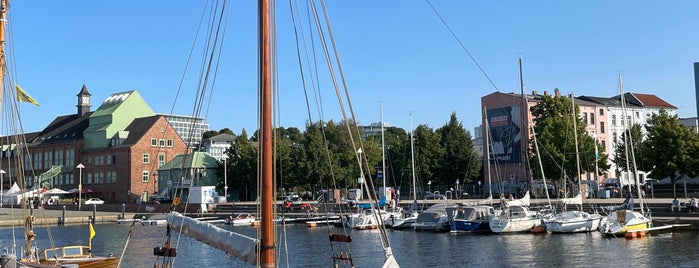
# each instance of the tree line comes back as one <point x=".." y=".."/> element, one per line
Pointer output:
<point x="322" y="157"/>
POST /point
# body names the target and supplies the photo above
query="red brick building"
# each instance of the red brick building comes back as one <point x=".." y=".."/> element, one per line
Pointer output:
<point x="120" y="146"/>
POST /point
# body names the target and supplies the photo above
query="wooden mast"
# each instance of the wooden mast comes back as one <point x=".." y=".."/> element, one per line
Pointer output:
<point x="4" y="6"/>
<point x="267" y="207"/>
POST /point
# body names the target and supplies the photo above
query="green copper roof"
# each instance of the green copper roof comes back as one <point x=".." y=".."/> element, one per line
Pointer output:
<point x="113" y="116"/>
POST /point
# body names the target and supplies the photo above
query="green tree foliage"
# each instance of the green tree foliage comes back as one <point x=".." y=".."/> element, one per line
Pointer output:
<point x="242" y="166"/>
<point x="674" y="148"/>
<point x="460" y="160"/>
<point x="209" y="134"/>
<point x="428" y="154"/>
<point x="633" y="148"/>
<point x="553" y="117"/>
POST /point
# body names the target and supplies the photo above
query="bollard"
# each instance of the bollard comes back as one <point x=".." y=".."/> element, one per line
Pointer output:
<point x="123" y="210"/>
<point x="94" y="213"/>
<point x="63" y="216"/>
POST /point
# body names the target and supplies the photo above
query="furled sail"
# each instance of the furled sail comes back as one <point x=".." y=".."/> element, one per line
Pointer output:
<point x="232" y="243"/>
<point x="523" y="202"/>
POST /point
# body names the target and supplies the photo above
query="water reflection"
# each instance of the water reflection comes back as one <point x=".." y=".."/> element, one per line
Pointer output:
<point x="310" y="248"/>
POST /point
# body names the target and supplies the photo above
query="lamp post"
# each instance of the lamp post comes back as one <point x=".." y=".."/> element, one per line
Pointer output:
<point x="80" y="185"/>
<point x="2" y="195"/>
<point x="225" y="178"/>
<point x="456" y="194"/>
<point x="429" y="186"/>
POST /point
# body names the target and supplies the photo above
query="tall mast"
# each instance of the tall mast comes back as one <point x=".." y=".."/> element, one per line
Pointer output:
<point x="524" y="123"/>
<point x="575" y="136"/>
<point x="412" y="156"/>
<point x="267" y="246"/>
<point x="487" y="150"/>
<point x="383" y="154"/>
<point x="4" y="6"/>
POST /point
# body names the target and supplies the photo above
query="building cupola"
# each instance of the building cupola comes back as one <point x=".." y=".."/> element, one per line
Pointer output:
<point x="84" y="101"/>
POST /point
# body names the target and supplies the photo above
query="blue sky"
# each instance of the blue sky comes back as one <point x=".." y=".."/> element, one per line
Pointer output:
<point x="394" y="53"/>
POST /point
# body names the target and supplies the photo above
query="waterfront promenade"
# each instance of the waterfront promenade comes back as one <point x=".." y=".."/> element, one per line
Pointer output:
<point x="9" y="217"/>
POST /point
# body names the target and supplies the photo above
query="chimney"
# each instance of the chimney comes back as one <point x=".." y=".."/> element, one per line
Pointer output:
<point x="557" y="92"/>
<point x="546" y="93"/>
<point x="534" y="92"/>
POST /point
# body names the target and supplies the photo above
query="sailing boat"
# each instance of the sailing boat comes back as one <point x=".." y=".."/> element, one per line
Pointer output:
<point x="574" y="221"/>
<point x="515" y="215"/>
<point x="625" y="220"/>
<point x="475" y="217"/>
<point x="409" y="216"/>
<point x="67" y="255"/>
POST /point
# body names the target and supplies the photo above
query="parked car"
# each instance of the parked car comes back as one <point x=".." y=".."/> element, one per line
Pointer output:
<point x="94" y="201"/>
<point x="433" y="196"/>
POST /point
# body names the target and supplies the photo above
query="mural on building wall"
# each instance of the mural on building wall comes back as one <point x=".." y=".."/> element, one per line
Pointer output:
<point x="505" y="134"/>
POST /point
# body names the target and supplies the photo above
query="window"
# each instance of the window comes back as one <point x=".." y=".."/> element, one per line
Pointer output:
<point x="613" y="120"/>
<point x="584" y="115"/>
<point x="110" y="159"/>
<point x="604" y="144"/>
<point x="169" y="143"/>
<point x="629" y="118"/>
<point x="162" y="143"/>
<point x="638" y="114"/>
<point x="601" y="111"/>
<point x="614" y="137"/>
<point x="59" y="157"/>
<point x="48" y="159"/>
<point x="70" y="157"/>
<point x="146" y="158"/>
<point x="601" y="127"/>
<point x="89" y="178"/>
<point x="592" y="118"/>
<point x="145" y="175"/>
<point x="161" y="160"/>
<point x="154" y="142"/>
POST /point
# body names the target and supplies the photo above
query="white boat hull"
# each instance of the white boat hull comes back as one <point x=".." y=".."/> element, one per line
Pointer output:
<point x="622" y="221"/>
<point x="573" y="222"/>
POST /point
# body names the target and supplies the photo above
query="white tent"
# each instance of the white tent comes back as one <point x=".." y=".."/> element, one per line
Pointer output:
<point x="12" y="196"/>
<point x="56" y="191"/>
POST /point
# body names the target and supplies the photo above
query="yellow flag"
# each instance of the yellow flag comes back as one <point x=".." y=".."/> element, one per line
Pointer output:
<point x="92" y="232"/>
<point x="23" y="96"/>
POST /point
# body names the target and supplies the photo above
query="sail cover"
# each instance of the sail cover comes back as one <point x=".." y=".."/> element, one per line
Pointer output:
<point x="577" y="200"/>
<point x="232" y="243"/>
<point x="522" y="202"/>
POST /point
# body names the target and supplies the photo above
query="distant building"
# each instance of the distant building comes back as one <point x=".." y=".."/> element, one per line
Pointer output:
<point x="478" y="140"/>
<point x="691" y="122"/>
<point x="190" y="128"/>
<point x="185" y="171"/>
<point x="120" y="145"/>
<point x="509" y="121"/>
<point x="373" y="128"/>
<point x="217" y="145"/>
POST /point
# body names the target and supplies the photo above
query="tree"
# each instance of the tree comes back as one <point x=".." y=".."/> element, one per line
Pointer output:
<point x="209" y="134"/>
<point x="631" y="147"/>
<point x="553" y="117"/>
<point x="428" y="152"/>
<point x="242" y="165"/>
<point x="675" y="148"/>
<point x="460" y="161"/>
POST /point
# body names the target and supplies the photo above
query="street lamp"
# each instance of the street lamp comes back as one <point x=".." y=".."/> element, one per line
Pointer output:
<point x="80" y="184"/>
<point x="2" y="172"/>
<point x="225" y="178"/>
<point x="429" y="186"/>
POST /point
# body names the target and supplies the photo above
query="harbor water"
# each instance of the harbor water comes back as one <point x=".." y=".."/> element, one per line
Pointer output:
<point x="310" y="247"/>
